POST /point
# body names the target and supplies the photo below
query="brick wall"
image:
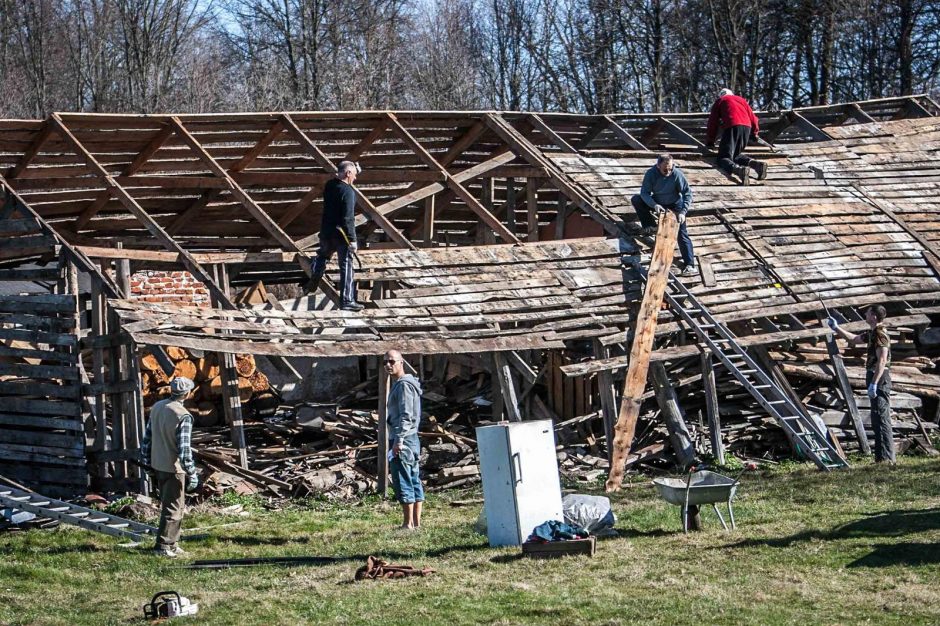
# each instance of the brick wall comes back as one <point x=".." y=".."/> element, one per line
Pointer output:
<point x="179" y="287"/>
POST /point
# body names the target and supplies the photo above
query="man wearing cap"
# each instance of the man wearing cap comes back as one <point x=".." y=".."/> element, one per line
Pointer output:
<point x="338" y="234"/>
<point x="166" y="449"/>
<point x="738" y="124"/>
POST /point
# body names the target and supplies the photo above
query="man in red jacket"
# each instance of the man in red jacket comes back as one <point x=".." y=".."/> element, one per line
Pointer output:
<point x="738" y="124"/>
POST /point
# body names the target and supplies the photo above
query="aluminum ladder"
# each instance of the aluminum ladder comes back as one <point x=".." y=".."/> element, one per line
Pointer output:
<point x="717" y="338"/>
<point x="75" y="515"/>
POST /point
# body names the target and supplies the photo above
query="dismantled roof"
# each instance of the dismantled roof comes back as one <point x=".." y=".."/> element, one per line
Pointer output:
<point x="848" y="214"/>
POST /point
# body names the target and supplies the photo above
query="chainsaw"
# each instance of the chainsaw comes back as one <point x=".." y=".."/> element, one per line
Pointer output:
<point x="169" y="604"/>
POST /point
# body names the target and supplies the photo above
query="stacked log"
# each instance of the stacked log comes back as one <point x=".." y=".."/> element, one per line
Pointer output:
<point x="205" y="404"/>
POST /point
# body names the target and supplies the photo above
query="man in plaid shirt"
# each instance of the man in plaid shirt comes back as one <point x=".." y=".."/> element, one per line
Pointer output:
<point x="166" y="449"/>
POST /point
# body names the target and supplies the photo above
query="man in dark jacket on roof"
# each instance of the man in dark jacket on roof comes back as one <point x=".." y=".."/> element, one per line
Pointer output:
<point x="734" y="116"/>
<point x="404" y="415"/>
<point x="338" y="234"/>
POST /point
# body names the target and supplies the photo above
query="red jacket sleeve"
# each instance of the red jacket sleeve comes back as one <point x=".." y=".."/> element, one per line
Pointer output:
<point x="714" y="118"/>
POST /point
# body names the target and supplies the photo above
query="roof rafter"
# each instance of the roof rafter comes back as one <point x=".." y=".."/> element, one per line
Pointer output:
<point x="491" y="220"/>
<point x="366" y="204"/>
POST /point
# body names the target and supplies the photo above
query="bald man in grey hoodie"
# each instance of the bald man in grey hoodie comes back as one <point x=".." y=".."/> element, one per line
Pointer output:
<point x="404" y="415"/>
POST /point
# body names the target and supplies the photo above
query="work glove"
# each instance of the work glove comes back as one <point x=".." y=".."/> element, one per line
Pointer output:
<point x="681" y="218"/>
<point x="658" y="209"/>
<point x="872" y="390"/>
<point x="192" y="482"/>
<point x="833" y="324"/>
<point x="353" y="247"/>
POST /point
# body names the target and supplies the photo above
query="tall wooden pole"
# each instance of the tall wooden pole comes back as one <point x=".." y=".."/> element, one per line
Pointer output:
<point x="635" y="381"/>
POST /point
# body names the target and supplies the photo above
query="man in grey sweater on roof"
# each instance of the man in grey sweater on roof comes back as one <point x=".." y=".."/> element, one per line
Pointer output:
<point x="404" y="415"/>
<point x="665" y="187"/>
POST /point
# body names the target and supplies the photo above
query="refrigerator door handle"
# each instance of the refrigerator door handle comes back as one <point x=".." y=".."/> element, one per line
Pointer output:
<point x="516" y="468"/>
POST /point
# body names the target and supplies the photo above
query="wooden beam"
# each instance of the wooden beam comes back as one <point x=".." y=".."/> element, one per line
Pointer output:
<point x="507" y="387"/>
<point x="298" y="208"/>
<point x="712" y="408"/>
<point x="539" y="124"/>
<point x="134" y="166"/>
<point x="672" y="414"/>
<point x="142" y="216"/>
<point x="532" y="208"/>
<point x="374" y="135"/>
<point x="808" y="127"/>
<point x="608" y="397"/>
<point x="255" y="151"/>
<point x="645" y="330"/>
<point x="621" y="134"/>
<point x="427" y="228"/>
<point x="591" y="134"/>
<point x="853" y="110"/>
<point x="488" y="218"/>
<point x="524" y="148"/>
<point x="30" y="153"/>
<point x="364" y="203"/>
<point x="234" y="188"/>
<point x="194" y="209"/>
<point x="231" y="401"/>
<point x="682" y="135"/>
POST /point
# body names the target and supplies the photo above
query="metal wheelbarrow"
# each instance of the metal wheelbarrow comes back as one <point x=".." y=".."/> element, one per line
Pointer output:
<point x="701" y="486"/>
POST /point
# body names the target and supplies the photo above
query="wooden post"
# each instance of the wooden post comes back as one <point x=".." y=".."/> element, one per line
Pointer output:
<point x="511" y="204"/>
<point x="132" y="401"/>
<point x="711" y="407"/>
<point x="486" y="200"/>
<point x="635" y="381"/>
<point x="672" y="414"/>
<point x="381" y="485"/>
<point x="97" y="361"/>
<point x="560" y="216"/>
<point x="845" y="390"/>
<point x="608" y="397"/>
<point x="232" y="403"/>
<point x="428" y="224"/>
<point x="532" y="208"/>
<point x="507" y="388"/>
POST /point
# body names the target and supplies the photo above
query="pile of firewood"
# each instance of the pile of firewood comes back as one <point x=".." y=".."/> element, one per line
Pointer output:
<point x="205" y="404"/>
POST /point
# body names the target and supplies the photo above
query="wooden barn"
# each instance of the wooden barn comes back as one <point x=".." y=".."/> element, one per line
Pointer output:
<point x="493" y="240"/>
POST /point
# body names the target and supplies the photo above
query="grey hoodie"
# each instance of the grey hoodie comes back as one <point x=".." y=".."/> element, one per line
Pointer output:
<point x="404" y="408"/>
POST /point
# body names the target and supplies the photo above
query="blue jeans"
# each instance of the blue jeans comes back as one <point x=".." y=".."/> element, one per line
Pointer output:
<point x="406" y="475"/>
<point x="647" y="220"/>
<point x="329" y="246"/>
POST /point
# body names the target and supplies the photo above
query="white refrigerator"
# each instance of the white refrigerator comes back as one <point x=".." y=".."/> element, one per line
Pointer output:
<point x="520" y="479"/>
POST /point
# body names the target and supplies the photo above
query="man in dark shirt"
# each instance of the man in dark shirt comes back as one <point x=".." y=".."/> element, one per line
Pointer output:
<point x="877" y="377"/>
<point x="738" y="123"/>
<point x="338" y="234"/>
<point x="665" y="187"/>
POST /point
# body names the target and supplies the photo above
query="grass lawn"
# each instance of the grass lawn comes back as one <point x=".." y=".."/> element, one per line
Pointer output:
<point x="850" y="547"/>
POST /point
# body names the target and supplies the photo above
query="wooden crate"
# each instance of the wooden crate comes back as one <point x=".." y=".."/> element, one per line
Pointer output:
<point x="555" y="549"/>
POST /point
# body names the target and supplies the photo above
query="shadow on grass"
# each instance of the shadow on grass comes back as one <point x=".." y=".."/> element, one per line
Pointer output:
<point x="888" y="554"/>
<point x="886" y="524"/>
<point x="295" y="561"/>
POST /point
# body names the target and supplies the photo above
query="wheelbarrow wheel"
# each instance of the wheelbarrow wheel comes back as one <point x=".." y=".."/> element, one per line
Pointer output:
<point x="694" y="518"/>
